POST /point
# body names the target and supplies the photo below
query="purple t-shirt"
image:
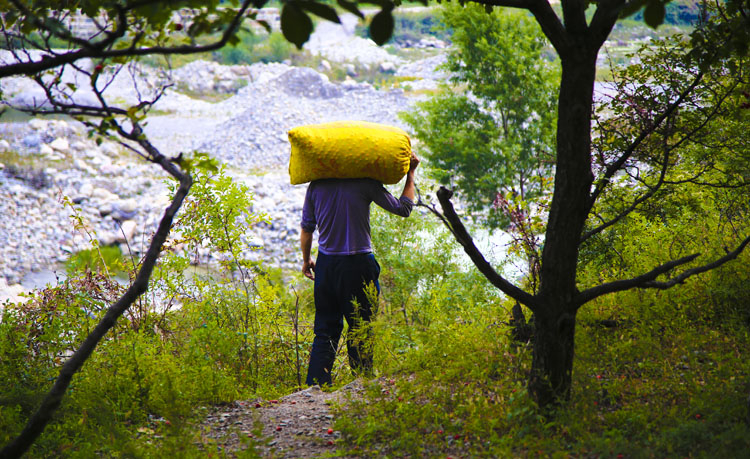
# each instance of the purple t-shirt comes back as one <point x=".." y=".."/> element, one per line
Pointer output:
<point x="340" y="208"/>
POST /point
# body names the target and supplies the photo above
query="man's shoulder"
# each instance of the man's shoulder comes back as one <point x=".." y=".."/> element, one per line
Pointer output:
<point x="346" y="183"/>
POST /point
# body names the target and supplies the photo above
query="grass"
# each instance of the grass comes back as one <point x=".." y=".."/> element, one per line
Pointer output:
<point x="639" y="391"/>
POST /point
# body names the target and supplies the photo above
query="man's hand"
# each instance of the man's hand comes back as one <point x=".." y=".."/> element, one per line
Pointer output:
<point x="413" y="162"/>
<point x="410" y="189"/>
<point x="308" y="269"/>
<point x="305" y="243"/>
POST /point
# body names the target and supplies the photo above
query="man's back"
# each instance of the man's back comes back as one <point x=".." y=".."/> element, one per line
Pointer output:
<point x="340" y="208"/>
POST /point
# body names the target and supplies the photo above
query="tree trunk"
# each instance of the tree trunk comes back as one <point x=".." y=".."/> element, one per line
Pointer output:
<point x="552" y="361"/>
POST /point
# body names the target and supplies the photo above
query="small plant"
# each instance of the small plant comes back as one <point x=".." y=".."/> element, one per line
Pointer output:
<point x="99" y="259"/>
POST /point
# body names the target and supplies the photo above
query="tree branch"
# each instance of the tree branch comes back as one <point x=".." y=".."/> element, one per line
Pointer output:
<point x="644" y="197"/>
<point x="574" y="16"/>
<point x="97" y="49"/>
<point x="521" y="4"/>
<point x="709" y="116"/>
<point x="617" y="165"/>
<point x="462" y="236"/>
<point x="699" y="269"/>
<point x="54" y="397"/>
<point x="543" y="13"/>
<point x="551" y="25"/>
<point x="606" y="15"/>
<point x="626" y="284"/>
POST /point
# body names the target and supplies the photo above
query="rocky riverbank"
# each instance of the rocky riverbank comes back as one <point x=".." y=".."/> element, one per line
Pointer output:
<point x="56" y="175"/>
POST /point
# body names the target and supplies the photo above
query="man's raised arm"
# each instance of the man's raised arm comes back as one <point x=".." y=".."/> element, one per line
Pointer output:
<point x="410" y="190"/>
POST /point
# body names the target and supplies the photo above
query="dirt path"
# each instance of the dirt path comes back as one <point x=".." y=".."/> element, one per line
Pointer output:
<point x="299" y="425"/>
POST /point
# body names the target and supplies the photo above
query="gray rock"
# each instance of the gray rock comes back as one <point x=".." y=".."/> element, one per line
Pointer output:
<point x="32" y="140"/>
<point x="306" y="82"/>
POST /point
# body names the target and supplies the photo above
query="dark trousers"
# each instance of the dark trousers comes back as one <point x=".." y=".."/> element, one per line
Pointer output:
<point x="340" y="282"/>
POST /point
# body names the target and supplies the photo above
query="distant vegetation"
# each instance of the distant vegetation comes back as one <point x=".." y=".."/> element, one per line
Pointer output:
<point x="256" y="47"/>
<point x="411" y="26"/>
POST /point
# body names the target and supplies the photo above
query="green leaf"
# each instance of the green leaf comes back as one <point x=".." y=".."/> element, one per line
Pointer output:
<point x="321" y="10"/>
<point x="350" y="7"/>
<point x="185" y="163"/>
<point x="264" y="24"/>
<point x="654" y="13"/>
<point x="381" y="27"/>
<point x="295" y="24"/>
<point x="10" y="18"/>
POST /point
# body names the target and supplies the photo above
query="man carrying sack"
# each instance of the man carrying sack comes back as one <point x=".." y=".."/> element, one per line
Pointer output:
<point x="340" y="209"/>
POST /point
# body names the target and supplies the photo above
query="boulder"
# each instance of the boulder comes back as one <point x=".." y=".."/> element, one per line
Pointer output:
<point x="46" y="151"/>
<point x="38" y="124"/>
<point x="60" y="144"/>
<point x="387" y="67"/>
<point x="13" y="293"/>
<point x="87" y="190"/>
<point x="324" y="66"/>
<point x="107" y="238"/>
<point x="104" y="194"/>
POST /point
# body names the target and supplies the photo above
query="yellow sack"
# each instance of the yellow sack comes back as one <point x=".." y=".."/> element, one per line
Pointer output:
<point x="348" y="149"/>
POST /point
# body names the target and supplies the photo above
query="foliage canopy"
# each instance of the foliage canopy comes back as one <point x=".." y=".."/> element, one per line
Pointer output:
<point x="492" y="132"/>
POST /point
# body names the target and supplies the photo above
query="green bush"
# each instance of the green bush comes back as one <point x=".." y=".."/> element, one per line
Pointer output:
<point x="412" y="26"/>
<point x="256" y="47"/>
<point x="234" y="331"/>
<point x="657" y="373"/>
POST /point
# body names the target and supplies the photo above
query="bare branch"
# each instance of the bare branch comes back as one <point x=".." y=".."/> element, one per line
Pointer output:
<point x="462" y="236"/>
<point x="574" y="16"/>
<point x="606" y="15"/>
<point x="627" y="284"/>
<point x="617" y="165"/>
<point x="551" y="25"/>
<point x="54" y="397"/>
<point x="521" y="4"/>
<point x="699" y="269"/>
<point x="100" y="49"/>
<point x="543" y="13"/>
<point x="433" y="210"/>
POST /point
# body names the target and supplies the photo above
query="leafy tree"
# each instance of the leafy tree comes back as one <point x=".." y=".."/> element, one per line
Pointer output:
<point x="42" y="41"/>
<point x="580" y="183"/>
<point x="500" y="137"/>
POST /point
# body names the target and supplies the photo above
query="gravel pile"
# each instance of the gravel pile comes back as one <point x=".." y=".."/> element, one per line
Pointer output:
<point x="425" y="68"/>
<point x="257" y="137"/>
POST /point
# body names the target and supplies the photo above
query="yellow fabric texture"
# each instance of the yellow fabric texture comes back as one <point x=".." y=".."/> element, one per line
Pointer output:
<point x="348" y="149"/>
